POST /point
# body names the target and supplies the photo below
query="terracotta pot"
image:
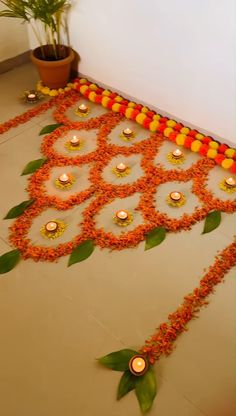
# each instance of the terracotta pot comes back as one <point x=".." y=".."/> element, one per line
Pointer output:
<point x="53" y="73"/>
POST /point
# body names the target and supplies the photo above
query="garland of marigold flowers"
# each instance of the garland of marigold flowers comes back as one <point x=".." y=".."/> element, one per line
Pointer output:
<point x="176" y="132"/>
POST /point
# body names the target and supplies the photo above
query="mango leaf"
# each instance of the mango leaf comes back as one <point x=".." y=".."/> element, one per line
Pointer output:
<point x="82" y="252"/>
<point x="146" y="389"/>
<point x="212" y="221"/>
<point x="155" y="237"/>
<point x="9" y="260"/>
<point x="50" y="128"/>
<point x="127" y="383"/>
<point x="118" y="360"/>
<point x="18" y="209"/>
<point x="32" y="166"/>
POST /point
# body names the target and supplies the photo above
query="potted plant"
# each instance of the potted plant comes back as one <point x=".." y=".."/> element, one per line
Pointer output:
<point x="47" y="19"/>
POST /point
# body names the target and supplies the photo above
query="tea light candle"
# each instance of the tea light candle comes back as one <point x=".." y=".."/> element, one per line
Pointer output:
<point x="31" y="96"/>
<point x="122" y="215"/>
<point x="64" y="178"/>
<point x="83" y="108"/>
<point x="51" y="226"/>
<point x="230" y="182"/>
<point x="74" y="141"/>
<point x="121" y="167"/>
<point x="138" y="365"/>
<point x="128" y="132"/>
<point x="176" y="196"/>
<point x="177" y="153"/>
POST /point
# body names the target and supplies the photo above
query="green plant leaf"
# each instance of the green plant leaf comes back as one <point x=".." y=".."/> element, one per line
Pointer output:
<point x="155" y="237"/>
<point x="32" y="166"/>
<point x="118" y="360"/>
<point x="50" y="128"/>
<point x="212" y="221"/>
<point x="146" y="390"/>
<point x="9" y="260"/>
<point x="127" y="383"/>
<point x="18" y="209"/>
<point x="82" y="252"/>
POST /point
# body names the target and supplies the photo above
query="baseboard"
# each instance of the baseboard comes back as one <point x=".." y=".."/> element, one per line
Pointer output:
<point x="160" y="111"/>
<point x="12" y="63"/>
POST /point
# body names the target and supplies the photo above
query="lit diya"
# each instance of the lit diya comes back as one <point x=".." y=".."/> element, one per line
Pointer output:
<point x="230" y="182"/>
<point x="128" y="133"/>
<point x="138" y="365"/>
<point x="177" y="154"/>
<point x="176" y="196"/>
<point x="64" y="179"/>
<point x="75" y="141"/>
<point x="121" y="167"/>
<point x="82" y="109"/>
<point x="31" y="96"/>
<point x="122" y="215"/>
<point x="51" y="226"/>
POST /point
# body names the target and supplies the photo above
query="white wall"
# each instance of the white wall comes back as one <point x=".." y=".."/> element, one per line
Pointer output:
<point x="13" y="37"/>
<point x="177" y="55"/>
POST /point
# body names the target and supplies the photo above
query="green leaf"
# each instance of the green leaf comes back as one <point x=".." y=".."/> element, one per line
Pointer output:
<point x="18" y="209"/>
<point x="212" y="221"/>
<point x="146" y="389"/>
<point x="32" y="166"/>
<point x="50" y="128"/>
<point x="9" y="260"/>
<point x="127" y="383"/>
<point x="81" y="253"/>
<point x="118" y="360"/>
<point x="155" y="237"/>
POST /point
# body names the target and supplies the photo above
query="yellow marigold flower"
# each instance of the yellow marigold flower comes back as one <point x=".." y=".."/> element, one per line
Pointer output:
<point x="230" y="152"/>
<point x="83" y="88"/>
<point x="199" y="136"/>
<point x="92" y="96"/>
<point x="116" y="107"/>
<point x="140" y="118"/>
<point x="185" y="130"/>
<point x="171" y="123"/>
<point x="45" y="90"/>
<point x="131" y="104"/>
<point x="213" y="145"/>
<point x="61" y="91"/>
<point x="106" y="93"/>
<point x="227" y="163"/>
<point x="180" y="139"/>
<point x="83" y="81"/>
<point x="53" y="93"/>
<point x="154" y="126"/>
<point x="195" y="146"/>
<point x="156" y="117"/>
<point x="167" y="131"/>
<point x="144" y="110"/>
<point x="93" y="87"/>
<point x="212" y="153"/>
<point x="70" y="84"/>
<point x="118" y="99"/>
<point x="128" y="112"/>
<point x="105" y="101"/>
<point x="67" y="88"/>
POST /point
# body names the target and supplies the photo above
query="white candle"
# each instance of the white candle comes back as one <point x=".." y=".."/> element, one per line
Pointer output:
<point x="74" y="141"/>
<point x="230" y="182"/>
<point x="121" y="167"/>
<point x="122" y="215"/>
<point x="51" y="226"/>
<point x="176" y="196"/>
<point x="177" y="153"/>
<point x="127" y="132"/>
<point x="83" y="108"/>
<point x="64" y="178"/>
<point x="138" y="365"/>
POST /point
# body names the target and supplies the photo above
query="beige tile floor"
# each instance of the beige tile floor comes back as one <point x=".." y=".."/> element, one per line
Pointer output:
<point x="55" y="321"/>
